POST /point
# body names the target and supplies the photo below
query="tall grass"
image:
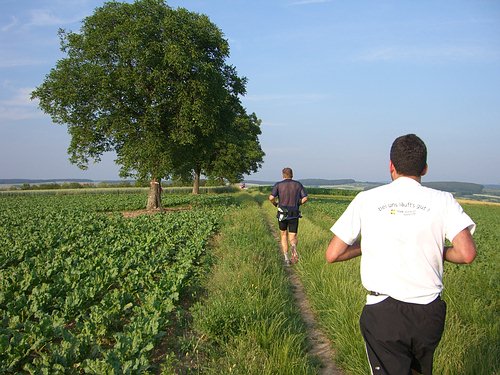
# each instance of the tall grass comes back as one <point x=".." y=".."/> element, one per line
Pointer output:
<point x="335" y="293"/>
<point x="248" y="321"/>
<point x="470" y="344"/>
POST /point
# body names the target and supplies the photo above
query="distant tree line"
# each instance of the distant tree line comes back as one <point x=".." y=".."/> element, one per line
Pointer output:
<point x="459" y="188"/>
<point x="323" y="182"/>
<point x="73" y="185"/>
<point x="110" y="184"/>
<point x="313" y="190"/>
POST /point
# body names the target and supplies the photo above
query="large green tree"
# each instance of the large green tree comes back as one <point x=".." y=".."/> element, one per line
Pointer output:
<point x="225" y="154"/>
<point x="151" y="83"/>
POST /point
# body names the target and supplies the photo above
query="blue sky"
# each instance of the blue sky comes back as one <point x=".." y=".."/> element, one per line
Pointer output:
<point x="334" y="82"/>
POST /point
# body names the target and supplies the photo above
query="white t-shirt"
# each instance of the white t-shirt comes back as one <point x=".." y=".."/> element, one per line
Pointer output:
<point x="403" y="226"/>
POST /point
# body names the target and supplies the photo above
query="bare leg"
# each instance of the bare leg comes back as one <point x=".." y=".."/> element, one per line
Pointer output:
<point x="284" y="242"/>
<point x="293" y="242"/>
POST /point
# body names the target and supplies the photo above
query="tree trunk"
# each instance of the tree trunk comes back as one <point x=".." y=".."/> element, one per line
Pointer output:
<point x="196" y="182"/>
<point x="154" y="196"/>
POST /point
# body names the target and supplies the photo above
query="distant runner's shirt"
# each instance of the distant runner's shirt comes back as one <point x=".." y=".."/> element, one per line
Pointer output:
<point x="403" y="227"/>
<point x="289" y="193"/>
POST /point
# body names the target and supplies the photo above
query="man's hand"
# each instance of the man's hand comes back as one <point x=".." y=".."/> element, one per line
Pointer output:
<point x="272" y="199"/>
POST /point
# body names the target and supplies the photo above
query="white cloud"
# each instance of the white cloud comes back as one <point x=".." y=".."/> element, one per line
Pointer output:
<point x="430" y="54"/>
<point x="13" y="22"/>
<point x="312" y="97"/>
<point x="307" y="2"/>
<point x="273" y="124"/>
<point x="44" y="17"/>
<point x="16" y="114"/>
<point x="20" y="98"/>
<point x="39" y="18"/>
<point x="9" y="62"/>
<point x="19" y="106"/>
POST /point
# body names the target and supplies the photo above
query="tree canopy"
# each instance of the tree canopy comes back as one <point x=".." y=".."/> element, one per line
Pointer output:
<point x="152" y="83"/>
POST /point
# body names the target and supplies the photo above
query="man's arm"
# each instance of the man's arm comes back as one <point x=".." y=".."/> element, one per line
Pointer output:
<point x="339" y="251"/>
<point x="303" y="200"/>
<point x="272" y="199"/>
<point x="463" y="249"/>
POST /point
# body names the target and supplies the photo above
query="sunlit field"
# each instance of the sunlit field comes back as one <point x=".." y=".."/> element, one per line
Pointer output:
<point x="89" y="283"/>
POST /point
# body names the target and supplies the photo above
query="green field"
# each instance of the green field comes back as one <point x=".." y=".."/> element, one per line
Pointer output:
<point x="201" y="288"/>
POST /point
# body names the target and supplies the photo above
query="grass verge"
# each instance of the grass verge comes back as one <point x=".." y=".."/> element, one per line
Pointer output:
<point x="247" y="323"/>
<point x="470" y="343"/>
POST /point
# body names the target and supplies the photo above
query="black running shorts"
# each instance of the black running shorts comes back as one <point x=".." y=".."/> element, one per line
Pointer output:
<point x="402" y="336"/>
<point x="292" y="225"/>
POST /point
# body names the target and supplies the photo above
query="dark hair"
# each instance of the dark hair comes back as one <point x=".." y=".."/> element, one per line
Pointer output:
<point x="287" y="172"/>
<point x="409" y="155"/>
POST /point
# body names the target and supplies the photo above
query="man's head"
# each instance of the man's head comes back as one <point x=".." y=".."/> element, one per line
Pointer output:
<point x="409" y="155"/>
<point x="287" y="172"/>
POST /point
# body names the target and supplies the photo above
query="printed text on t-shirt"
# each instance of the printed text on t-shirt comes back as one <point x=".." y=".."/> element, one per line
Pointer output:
<point x="405" y="208"/>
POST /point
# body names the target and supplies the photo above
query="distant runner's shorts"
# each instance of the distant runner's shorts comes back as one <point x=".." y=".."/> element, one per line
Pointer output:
<point x="400" y="336"/>
<point x="292" y="225"/>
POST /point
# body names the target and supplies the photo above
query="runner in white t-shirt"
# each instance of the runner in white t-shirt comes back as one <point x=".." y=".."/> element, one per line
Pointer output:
<point x="401" y="228"/>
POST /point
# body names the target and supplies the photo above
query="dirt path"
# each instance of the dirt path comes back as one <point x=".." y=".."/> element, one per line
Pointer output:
<point x="320" y="345"/>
